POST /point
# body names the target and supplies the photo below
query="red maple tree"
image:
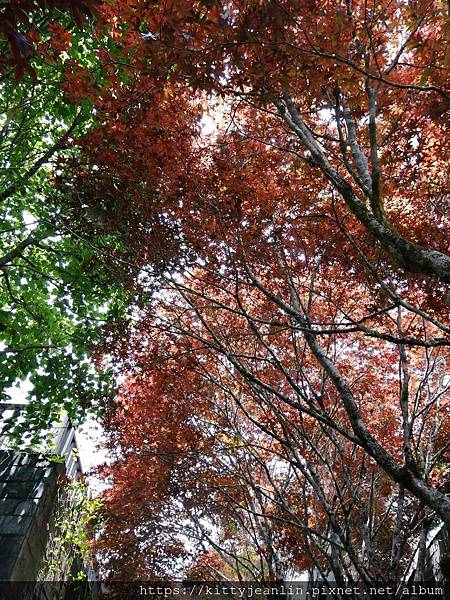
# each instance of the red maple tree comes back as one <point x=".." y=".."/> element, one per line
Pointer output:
<point x="298" y="256"/>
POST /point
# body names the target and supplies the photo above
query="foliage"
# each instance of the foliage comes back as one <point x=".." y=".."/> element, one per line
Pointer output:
<point x="75" y="522"/>
<point x="210" y="470"/>
<point x="52" y="291"/>
<point x="22" y="23"/>
<point x="297" y="255"/>
<point x="285" y="278"/>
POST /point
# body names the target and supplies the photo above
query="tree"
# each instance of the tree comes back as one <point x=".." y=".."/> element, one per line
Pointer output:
<point x="304" y="246"/>
<point x="207" y="470"/>
<point x="22" y="24"/>
<point x="52" y="290"/>
<point x="298" y="61"/>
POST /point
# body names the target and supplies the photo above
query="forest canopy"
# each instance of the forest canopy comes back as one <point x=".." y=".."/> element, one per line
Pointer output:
<point x="225" y="232"/>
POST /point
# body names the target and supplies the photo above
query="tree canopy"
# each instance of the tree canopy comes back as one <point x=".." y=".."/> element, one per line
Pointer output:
<point x="52" y="288"/>
<point x="263" y="184"/>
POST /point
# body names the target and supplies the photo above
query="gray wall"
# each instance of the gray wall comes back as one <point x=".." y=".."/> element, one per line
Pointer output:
<point x="28" y="488"/>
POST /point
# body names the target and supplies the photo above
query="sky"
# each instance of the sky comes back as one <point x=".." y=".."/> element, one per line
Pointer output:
<point x="89" y="439"/>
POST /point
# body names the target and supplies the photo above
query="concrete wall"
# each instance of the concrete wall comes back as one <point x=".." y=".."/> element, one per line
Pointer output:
<point x="28" y="488"/>
<point x="28" y="504"/>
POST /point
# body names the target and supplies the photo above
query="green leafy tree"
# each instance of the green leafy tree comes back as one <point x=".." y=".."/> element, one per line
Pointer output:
<point x="53" y="297"/>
